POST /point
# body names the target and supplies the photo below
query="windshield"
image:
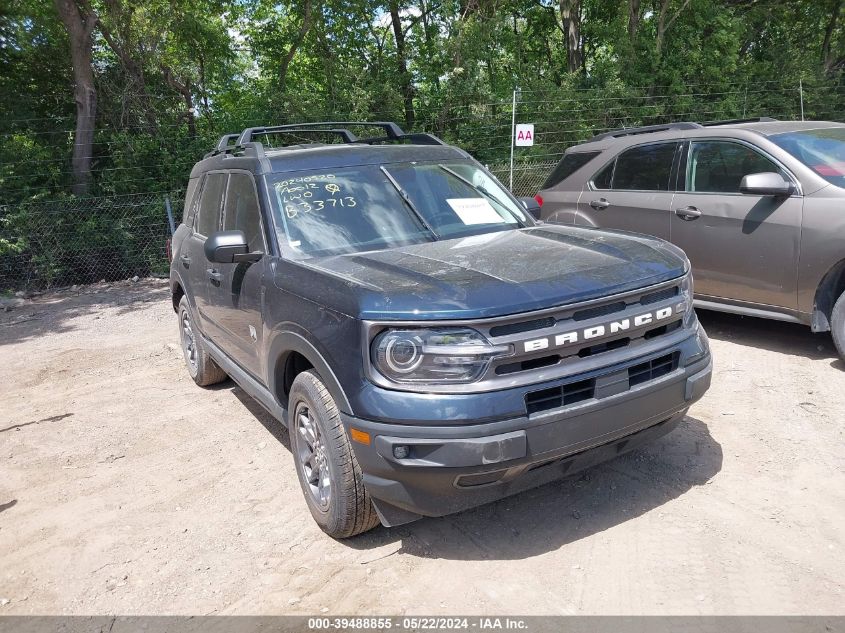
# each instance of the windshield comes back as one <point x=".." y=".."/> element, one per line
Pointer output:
<point x="372" y="207"/>
<point x="822" y="150"/>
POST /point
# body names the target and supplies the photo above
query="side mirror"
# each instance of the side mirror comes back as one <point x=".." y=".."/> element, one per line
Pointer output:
<point x="228" y="247"/>
<point x="531" y="205"/>
<point x="767" y="183"/>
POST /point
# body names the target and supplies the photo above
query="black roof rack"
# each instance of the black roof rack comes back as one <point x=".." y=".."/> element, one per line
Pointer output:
<point x="393" y="132"/>
<point x="759" y="119"/>
<point x="244" y="143"/>
<point x="646" y="129"/>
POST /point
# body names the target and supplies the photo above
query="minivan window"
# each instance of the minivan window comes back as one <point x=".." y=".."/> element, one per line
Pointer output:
<point x="719" y="166"/>
<point x="211" y="201"/>
<point x="241" y="211"/>
<point x="645" y="167"/>
<point x="568" y="165"/>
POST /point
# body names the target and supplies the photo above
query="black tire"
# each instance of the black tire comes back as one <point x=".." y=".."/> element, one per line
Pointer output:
<point x="322" y="454"/>
<point x="201" y="366"/>
<point x="837" y="325"/>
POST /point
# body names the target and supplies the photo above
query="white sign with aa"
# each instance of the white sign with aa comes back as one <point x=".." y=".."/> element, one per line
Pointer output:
<point x="524" y="135"/>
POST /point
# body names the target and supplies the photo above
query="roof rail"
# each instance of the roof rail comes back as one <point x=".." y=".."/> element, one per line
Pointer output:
<point x="759" y="119"/>
<point x="646" y="129"/>
<point x="393" y="131"/>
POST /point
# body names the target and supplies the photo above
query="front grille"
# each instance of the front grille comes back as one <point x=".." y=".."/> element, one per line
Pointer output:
<point x="525" y="365"/>
<point x="522" y="326"/>
<point x="571" y="393"/>
<point x="592" y="313"/>
<point x="562" y="396"/>
<point x="660" y="295"/>
<point x="652" y="369"/>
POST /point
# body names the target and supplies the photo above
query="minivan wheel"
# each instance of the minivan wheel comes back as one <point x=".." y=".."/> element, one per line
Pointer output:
<point x="328" y="472"/>
<point x="201" y="366"/>
<point x="837" y="325"/>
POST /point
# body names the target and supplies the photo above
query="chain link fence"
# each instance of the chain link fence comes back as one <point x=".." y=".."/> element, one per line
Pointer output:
<point x="85" y="240"/>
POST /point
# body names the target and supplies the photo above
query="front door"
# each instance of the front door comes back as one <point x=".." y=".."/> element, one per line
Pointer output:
<point x="742" y="247"/>
<point x="235" y="300"/>
<point x="207" y="221"/>
<point x="634" y="192"/>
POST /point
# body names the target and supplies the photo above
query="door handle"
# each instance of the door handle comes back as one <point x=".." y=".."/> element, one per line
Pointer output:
<point x="185" y="259"/>
<point x="599" y="204"/>
<point x="688" y="213"/>
<point x="214" y="275"/>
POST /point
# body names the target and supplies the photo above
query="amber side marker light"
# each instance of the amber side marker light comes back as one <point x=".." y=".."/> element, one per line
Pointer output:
<point x="360" y="436"/>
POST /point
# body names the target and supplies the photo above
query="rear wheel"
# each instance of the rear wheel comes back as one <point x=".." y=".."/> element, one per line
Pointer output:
<point x="329" y="474"/>
<point x="201" y="366"/>
<point x="837" y="325"/>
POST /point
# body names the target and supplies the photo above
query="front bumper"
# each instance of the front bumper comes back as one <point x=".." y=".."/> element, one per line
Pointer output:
<point x="452" y="468"/>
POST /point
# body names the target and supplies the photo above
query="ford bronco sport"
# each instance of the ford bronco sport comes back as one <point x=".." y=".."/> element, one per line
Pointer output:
<point x="758" y="206"/>
<point x="429" y="345"/>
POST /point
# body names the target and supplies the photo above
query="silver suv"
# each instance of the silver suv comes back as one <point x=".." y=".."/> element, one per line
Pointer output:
<point x="758" y="206"/>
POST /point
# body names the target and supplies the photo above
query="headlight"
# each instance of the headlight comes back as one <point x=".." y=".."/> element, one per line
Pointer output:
<point x="433" y="355"/>
<point x="686" y="297"/>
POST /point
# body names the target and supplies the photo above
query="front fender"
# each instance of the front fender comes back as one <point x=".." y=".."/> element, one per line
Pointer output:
<point x="282" y="344"/>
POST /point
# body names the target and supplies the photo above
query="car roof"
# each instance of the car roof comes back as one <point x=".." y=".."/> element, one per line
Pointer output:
<point x="768" y="128"/>
<point x="638" y="136"/>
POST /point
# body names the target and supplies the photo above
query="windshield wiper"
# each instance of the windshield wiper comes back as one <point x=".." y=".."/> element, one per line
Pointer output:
<point x="483" y="191"/>
<point x="404" y="195"/>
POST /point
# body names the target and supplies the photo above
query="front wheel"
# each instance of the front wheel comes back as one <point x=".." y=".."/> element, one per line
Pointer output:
<point x="328" y="472"/>
<point x="837" y="325"/>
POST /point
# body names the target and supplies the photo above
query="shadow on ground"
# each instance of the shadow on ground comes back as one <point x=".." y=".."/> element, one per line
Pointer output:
<point x="775" y="336"/>
<point x="54" y="312"/>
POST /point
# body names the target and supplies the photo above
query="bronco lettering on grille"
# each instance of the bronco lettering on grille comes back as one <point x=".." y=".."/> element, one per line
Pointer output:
<point x="596" y="331"/>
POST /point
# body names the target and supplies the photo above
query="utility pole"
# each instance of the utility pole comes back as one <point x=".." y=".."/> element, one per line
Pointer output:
<point x="513" y="134"/>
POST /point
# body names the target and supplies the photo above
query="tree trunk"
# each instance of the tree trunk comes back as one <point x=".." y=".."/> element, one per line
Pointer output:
<point x="828" y="59"/>
<point x="184" y="89"/>
<point x="570" y="15"/>
<point x="634" y="16"/>
<point x="79" y="28"/>
<point x="307" y="21"/>
<point x="405" y="85"/>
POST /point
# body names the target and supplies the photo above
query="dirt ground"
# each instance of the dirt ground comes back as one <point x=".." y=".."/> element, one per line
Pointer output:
<point x="126" y="489"/>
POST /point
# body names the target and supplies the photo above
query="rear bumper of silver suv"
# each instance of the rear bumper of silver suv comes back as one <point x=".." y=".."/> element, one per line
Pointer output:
<point x="433" y="470"/>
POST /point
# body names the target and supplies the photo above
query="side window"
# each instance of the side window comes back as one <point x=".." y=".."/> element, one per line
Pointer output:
<point x="211" y="201"/>
<point x="568" y="165"/>
<point x="719" y="166"/>
<point x="190" y="206"/>
<point x="602" y="179"/>
<point x="241" y="212"/>
<point x="645" y="168"/>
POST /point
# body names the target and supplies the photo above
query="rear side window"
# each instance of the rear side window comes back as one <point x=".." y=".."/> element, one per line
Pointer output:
<point x="645" y="168"/>
<point x="190" y="202"/>
<point x="569" y="164"/>
<point x="241" y="212"/>
<point x="211" y="201"/>
<point x="603" y="178"/>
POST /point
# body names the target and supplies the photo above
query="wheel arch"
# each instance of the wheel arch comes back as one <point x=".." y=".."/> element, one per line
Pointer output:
<point x="176" y="294"/>
<point x="829" y="290"/>
<point x="289" y="355"/>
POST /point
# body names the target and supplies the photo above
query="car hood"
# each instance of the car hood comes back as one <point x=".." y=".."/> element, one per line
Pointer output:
<point x="496" y="274"/>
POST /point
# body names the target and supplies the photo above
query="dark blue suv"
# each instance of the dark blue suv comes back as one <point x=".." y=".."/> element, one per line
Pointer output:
<point x="429" y="344"/>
